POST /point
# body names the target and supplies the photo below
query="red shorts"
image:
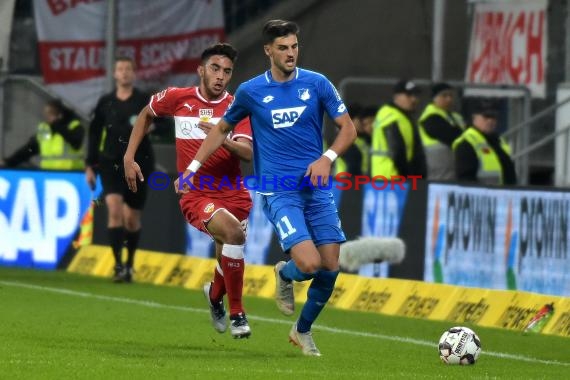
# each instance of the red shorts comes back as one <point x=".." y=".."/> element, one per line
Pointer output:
<point x="199" y="207"/>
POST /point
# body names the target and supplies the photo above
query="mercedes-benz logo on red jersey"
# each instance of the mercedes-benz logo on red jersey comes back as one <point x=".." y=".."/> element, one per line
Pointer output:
<point x="186" y="128"/>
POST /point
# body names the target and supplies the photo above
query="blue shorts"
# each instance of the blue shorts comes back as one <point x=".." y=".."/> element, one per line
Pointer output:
<point x="303" y="215"/>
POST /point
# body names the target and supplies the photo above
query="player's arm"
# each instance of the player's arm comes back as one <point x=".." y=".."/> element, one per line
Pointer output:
<point x="214" y="139"/>
<point x="346" y="135"/>
<point x="93" y="143"/>
<point x="321" y="168"/>
<point x="140" y="129"/>
<point x="30" y="149"/>
<point x="241" y="147"/>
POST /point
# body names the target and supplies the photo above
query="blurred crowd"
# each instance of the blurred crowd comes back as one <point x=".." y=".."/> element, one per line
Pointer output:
<point x="435" y="142"/>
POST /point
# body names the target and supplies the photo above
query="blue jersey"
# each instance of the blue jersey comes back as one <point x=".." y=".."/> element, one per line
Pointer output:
<point x="286" y="122"/>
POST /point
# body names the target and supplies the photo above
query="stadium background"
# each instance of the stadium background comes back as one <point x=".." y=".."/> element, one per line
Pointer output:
<point x="39" y="212"/>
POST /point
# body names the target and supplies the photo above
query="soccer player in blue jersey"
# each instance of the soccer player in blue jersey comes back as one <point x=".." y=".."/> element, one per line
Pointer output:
<point x="286" y="105"/>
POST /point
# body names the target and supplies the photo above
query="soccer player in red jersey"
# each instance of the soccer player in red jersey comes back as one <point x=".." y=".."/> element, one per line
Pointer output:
<point x="220" y="205"/>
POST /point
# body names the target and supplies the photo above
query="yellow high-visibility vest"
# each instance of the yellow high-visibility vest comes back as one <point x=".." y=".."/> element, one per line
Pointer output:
<point x="452" y="118"/>
<point x="55" y="152"/>
<point x="439" y="156"/>
<point x="380" y="162"/>
<point x="490" y="170"/>
<point x="364" y="149"/>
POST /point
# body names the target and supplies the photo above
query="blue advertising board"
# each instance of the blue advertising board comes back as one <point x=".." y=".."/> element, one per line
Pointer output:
<point x="40" y="213"/>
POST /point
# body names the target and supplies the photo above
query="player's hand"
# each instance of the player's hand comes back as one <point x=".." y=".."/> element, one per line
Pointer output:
<point x="90" y="177"/>
<point x="132" y="173"/>
<point x="187" y="182"/>
<point x="319" y="171"/>
<point x="205" y="126"/>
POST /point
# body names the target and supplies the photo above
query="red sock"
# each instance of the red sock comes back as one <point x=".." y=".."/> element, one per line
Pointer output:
<point x="233" y="267"/>
<point x="218" y="288"/>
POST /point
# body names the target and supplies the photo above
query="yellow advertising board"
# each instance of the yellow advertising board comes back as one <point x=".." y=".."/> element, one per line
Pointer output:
<point x="417" y="299"/>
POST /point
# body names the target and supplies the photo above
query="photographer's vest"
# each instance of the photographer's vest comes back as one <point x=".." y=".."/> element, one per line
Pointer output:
<point x="380" y="162"/>
<point x="364" y="149"/>
<point x="439" y="156"/>
<point x="55" y="152"/>
<point x="490" y="170"/>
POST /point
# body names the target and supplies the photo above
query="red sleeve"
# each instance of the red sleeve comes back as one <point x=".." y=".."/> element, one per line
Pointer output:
<point x="242" y="130"/>
<point x="162" y="103"/>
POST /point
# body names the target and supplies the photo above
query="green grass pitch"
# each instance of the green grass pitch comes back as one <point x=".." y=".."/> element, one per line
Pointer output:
<point x="56" y="325"/>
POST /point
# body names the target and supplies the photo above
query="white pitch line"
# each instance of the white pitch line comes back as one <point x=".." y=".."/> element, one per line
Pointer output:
<point x="152" y="304"/>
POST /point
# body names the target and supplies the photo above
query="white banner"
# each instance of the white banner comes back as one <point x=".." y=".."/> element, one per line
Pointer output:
<point x="165" y="38"/>
<point x="499" y="239"/>
<point x="6" y="16"/>
<point x="508" y="45"/>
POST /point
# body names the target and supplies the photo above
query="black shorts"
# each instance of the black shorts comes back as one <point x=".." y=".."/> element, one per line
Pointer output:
<point x="113" y="180"/>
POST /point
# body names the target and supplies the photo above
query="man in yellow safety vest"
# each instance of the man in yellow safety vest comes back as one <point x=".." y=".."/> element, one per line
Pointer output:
<point x="396" y="145"/>
<point x="58" y="141"/>
<point x="481" y="155"/>
<point x="439" y="127"/>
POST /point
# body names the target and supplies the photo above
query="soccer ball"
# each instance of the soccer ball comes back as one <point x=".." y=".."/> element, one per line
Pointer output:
<point x="459" y="345"/>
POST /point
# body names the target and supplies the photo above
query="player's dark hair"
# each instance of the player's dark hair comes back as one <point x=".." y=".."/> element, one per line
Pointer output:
<point x="224" y="49"/>
<point x="278" y="28"/>
<point x="124" y="58"/>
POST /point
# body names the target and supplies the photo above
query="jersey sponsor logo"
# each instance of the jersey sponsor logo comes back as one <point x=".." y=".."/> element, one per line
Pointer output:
<point x="286" y="117"/>
<point x="186" y="127"/>
<point x="341" y="108"/>
<point x="267" y="99"/>
<point x="205" y="113"/>
<point x="304" y="94"/>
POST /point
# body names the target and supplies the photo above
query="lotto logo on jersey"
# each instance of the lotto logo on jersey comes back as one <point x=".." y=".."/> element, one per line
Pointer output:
<point x="286" y="117"/>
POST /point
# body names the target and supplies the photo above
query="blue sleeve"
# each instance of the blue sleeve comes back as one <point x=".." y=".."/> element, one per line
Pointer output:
<point x="330" y="98"/>
<point x="239" y="109"/>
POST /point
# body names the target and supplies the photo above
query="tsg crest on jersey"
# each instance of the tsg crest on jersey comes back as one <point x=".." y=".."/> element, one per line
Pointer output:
<point x="304" y="94"/>
<point x="286" y="117"/>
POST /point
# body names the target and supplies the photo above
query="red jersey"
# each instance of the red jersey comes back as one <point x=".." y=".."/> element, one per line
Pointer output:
<point x="188" y="107"/>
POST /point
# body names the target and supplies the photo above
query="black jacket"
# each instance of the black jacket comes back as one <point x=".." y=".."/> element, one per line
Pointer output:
<point x="440" y="129"/>
<point x="116" y="117"/>
<point x="397" y="147"/>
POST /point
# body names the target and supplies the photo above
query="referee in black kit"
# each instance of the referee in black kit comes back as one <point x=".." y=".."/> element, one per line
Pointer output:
<point x="109" y="134"/>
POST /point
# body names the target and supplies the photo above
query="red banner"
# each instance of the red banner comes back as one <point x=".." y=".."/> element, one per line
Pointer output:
<point x="165" y="38"/>
<point x="508" y="45"/>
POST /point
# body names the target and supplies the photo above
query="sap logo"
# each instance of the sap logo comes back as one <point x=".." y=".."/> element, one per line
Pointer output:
<point x="35" y="215"/>
<point x="286" y="117"/>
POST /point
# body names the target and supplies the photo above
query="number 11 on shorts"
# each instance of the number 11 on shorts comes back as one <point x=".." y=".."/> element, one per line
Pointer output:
<point x="285" y="228"/>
